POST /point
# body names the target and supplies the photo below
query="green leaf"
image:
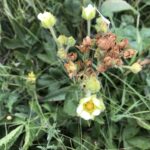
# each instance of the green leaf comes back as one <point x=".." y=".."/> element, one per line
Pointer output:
<point x="50" y="49"/>
<point x="35" y="107"/>
<point x="111" y="6"/>
<point x="13" y="97"/>
<point x="130" y="131"/>
<point x="57" y="95"/>
<point x="7" y="141"/>
<point x="44" y="58"/>
<point x="140" y="142"/>
<point x="13" y="43"/>
<point x="31" y="132"/>
<point x="71" y="102"/>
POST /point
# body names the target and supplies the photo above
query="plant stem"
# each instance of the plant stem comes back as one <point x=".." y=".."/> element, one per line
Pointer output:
<point x="89" y="28"/>
<point x="54" y="35"/>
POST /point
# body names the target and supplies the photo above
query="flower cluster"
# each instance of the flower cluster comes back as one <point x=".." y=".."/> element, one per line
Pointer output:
<point x="94" y="55"/>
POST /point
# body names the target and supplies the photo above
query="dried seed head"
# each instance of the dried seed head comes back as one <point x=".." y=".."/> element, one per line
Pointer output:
<point x="123" y="44"/>
<point x="103" y="43"/>
<point x="71" y="68"/>
<point x="88" y="62"/>
<point x="108" y="61"/>
<point x="101" y="68"/>
<point x="118" y="62"/>
<point x="129" y="53"/>
<point x="72" y="56"/>
<point x="86" y="44"/>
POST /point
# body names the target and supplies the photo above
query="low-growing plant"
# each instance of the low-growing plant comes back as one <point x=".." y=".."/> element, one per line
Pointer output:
<point x="71" y="81"/>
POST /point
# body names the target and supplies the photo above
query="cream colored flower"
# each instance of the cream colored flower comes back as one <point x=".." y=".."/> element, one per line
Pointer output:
<point x="31" y="77"/>
<point x="47" y="19"/>
<point x="89" y="107"/>
<point x="89" y="12"/>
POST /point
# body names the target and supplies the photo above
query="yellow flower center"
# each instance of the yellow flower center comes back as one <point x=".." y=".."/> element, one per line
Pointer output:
<point x="89" y="106"/>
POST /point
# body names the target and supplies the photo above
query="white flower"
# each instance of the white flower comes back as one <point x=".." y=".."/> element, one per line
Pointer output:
<point x="89" y="12"/>
<point x="47" y="19"/>
<point x="89" y="107"/>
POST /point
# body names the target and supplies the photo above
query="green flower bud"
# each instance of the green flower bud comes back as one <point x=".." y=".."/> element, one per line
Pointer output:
<point x="102" y="24"/>
<point x="62" y="40"/>
<point x="89" y="12"/>
<point x="61" y="53"/>
<point x="92" y="84"/>
<point x="71" y="41"/>
<point x="47" y="19"/>
<point x="135" y="68"/>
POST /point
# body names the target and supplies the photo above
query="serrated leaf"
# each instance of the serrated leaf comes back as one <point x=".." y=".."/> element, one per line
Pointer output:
<point x="30" y="130"/>
<point x="111" y="6"/>
<point x="7" y="141"/>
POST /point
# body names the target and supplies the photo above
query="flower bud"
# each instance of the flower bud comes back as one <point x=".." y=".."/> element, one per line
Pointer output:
<point x="89" y="12"/>
<point x="71" y="41"/>
<point x="102" y="24"/>
<point x="31" y="77"/>
<point x="92" y="84"/>
<point x="61" y="53"/>
<point x="9" y="117"/>
<point x="62" y="40"/>
<point x="47" y="19"/>
<point x="135" y="68"/>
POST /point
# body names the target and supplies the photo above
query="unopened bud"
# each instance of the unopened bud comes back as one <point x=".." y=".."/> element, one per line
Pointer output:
<point x="89" y="12"/>
<point x="61" y="53"/>
<point x="9" y="117"/>
<point x="47" y="19"/>
<point x="135" y="68"/>
<point x="71" y="41"/>
<point x="62" y="40"/>
<point x="102" y="24"/>
<point x="92" y="84"/>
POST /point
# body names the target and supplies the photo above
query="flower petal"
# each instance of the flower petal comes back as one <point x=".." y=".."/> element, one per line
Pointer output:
<point x="84" y="100"/>
<point x="40" y="16"/>
<point x="96" y="112"/>
<point x="79" y="109"/>
<point x="87" y="116"/>
<point x="97" y="102"/>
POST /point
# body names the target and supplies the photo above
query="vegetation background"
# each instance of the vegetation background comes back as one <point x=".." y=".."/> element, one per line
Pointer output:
<point x="42" y="116"/>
